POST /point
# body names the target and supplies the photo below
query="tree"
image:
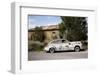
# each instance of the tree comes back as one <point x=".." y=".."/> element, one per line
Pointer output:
<point x="38" y="34"/>
<point x="62" y="29"/>
<point x="76" y="28"/>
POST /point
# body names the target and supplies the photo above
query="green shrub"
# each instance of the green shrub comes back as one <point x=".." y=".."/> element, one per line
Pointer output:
<point x="85" y="44"/>
<point x="35" y="46"/>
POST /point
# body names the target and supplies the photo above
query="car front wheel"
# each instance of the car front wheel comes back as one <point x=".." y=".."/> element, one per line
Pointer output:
<point x="77" y="49"/>
<point x="51" y="50"/>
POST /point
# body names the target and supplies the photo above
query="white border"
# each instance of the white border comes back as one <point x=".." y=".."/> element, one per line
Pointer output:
<point x="19" y="38"/>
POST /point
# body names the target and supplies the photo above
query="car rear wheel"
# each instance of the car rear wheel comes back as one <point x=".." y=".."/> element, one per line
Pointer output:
<point x="77" y="49"/>
<point x="51" y="50"/>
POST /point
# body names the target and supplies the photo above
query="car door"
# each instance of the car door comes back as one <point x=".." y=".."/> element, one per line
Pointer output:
<point x="65" y="45"/>
<point x="58" y="45"/>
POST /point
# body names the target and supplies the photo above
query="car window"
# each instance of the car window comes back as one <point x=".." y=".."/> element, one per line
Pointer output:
<point x="64" y="41"/>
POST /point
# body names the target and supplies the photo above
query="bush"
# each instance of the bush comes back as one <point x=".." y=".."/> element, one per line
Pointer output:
<point x="85" y="44"/>
<point x="35" y="46"/>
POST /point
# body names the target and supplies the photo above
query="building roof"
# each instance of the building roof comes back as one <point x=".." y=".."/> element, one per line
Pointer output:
<point x="47" y="28"/>
<point x="50" y="27"/>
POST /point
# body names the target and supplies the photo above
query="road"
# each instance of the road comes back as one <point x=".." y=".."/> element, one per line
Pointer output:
<point x="42" y="55"/>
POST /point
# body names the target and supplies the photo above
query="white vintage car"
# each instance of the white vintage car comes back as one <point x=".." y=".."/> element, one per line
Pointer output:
<point x="63" y="45"/>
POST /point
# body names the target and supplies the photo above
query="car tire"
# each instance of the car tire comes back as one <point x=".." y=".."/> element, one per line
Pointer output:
<point x="51" y="50"/>
<point x="77" y="48"/>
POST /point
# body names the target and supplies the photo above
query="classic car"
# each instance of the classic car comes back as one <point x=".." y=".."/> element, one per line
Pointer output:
<point x="63" y="45"/>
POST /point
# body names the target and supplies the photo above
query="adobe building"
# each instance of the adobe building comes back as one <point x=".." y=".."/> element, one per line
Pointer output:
<point x="51" y="32"/>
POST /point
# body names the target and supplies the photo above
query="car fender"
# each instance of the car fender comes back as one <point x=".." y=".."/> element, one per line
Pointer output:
<point x="52" y="46"/>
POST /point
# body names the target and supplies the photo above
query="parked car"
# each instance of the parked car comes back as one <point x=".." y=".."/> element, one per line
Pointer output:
<point x="63" y="45"/>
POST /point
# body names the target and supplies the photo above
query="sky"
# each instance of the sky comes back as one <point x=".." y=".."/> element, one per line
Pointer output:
<point x="40" y="20"/>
